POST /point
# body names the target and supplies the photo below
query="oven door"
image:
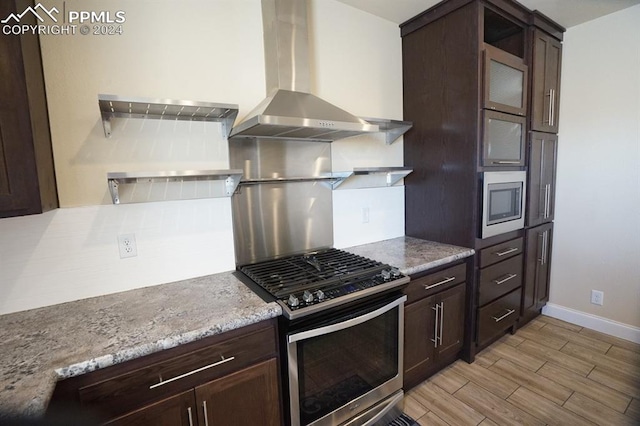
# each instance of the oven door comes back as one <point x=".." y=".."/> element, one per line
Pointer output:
<point x="343" y="367"/>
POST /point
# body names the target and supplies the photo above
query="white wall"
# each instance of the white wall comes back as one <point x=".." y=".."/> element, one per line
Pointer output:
<point x="209" y="50"/>
<point x="597" y="226"/>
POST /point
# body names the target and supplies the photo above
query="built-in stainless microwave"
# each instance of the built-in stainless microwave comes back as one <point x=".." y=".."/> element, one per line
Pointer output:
<point x="503" y="198"/>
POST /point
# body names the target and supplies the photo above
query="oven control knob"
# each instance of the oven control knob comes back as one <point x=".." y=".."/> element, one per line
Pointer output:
<point x="320" y="295"/>
<point x="386" y="275"/>
<point x="293" y="301"/>
<point x="307" y="296"/>
<point x="395" y="272"/>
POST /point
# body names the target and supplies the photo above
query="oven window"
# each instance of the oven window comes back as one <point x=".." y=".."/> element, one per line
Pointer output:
<point x="504" y="204"/>
<point x="335" y="368"/>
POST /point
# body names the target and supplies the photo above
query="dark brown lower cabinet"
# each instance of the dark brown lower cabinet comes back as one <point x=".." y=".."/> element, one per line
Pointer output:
<point x="247" y="397"/>
<point x="434" y="333"/>
<point x="537" y="267"/>
<point x="228" y="379"/>
<point x="178" y="410"/>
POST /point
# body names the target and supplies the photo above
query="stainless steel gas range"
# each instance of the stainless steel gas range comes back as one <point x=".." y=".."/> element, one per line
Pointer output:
<point x="342" y="331"/>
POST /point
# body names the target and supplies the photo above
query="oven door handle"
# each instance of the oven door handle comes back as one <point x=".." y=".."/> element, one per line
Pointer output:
<point x="303" y="335"/>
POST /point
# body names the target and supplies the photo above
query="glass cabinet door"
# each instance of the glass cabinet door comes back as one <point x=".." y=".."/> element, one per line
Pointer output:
<point x="503" y="140"/>
<point x="505" y="82"/>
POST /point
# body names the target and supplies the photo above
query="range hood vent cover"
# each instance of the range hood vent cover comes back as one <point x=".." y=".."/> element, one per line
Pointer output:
<point x="298" y="115"/>
<point x="290" y="111"/>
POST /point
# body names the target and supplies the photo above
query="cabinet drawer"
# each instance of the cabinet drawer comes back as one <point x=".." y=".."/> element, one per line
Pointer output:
<point x="500" y="279"/>
<point x="120" y="394"/>
<point x="433" y="283"/>
<point x="498" y="316"/>
<point x="500" y="252"/>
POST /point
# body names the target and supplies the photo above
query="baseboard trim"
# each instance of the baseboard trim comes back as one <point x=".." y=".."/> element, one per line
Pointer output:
<point x="594" y="322"/>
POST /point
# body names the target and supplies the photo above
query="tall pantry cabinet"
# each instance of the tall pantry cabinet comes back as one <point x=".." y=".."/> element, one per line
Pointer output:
<point x="451" y="55"/>
<point x="546" y="61"/>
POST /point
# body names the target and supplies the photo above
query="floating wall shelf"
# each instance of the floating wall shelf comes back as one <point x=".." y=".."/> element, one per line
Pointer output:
<point x="392" y="129"/>
<point x="173" y="185"/>
<point x="165" y="109"/>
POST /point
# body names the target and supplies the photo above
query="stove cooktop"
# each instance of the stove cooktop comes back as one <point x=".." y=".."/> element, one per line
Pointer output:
<point x="313" y="282"/>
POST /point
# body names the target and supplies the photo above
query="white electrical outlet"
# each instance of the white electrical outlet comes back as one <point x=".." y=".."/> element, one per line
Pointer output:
<point x="597" y="297"/>
<point x="127" y="245"/>
<point x="365" y="215"/>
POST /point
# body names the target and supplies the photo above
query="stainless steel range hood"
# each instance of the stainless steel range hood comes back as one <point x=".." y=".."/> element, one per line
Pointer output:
<point x="290" y="111"/>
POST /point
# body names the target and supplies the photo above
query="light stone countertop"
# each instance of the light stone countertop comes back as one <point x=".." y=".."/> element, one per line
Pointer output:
<point x="412" y="255"/>
<point x="38" y="347"/>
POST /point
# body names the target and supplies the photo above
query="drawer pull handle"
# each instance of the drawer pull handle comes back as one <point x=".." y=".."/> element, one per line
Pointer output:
<point x="204" y="408"/>
<point x="505" y="279"/>
<point x="510" y="311"/>
<point x="506" y="162"/>
<point x="182" y="376"/>
<point x="190" y="416"/>
<point x="446" y="280"/>
<point x="506" y="252"/>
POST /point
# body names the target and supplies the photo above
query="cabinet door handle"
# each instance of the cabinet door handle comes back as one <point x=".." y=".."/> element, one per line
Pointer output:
<point x="182" y="376"/>
<point x="446" y="280"/>
<point x="553" y="107"/>
<point x="541" y="248"/>
<point x="545" y="246"/>
<point x="506" y="162"/>
<point x="190" y="416"/>
<point x="505" y="279"/>
<point x="549" y="200"/>
<point x="509" y="312"/>
<point x="441" y="321"/>
<point x="204" y="408"/>
<point x="506" y="252"/>
<point x="435" y="329"/>
<point x="550" y="110"/>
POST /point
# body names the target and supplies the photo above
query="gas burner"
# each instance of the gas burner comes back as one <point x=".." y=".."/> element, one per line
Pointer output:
<point x="312" y="282"/>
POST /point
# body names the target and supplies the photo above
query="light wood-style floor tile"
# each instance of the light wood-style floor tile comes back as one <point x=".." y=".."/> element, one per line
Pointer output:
<point x="559" y="323"/>
<point x="511" y="339"/>
<point x="449" y="380"/>
<point x="577" y="338"/>
<point x="413" y="408"/>
<point x="535" y="324"/>
<point x="621" y="343"/>
<point x="633" y="410"/>
<point x="625" y="355"/>
<point x="488" y="422"/>
<point x="512" y="354"/>
<point x="446" y="406"/>
<point x="431" y="419"/>
<point x="550" y="389"/>
<point x="546" y="339"/>
<point x="485" y="378"/>
<point x="606" y="395"/>
<point x="596" y="412"/>
<point x="493" y="407"/>
<point x="601" y="360"/>
<point x="549" y="372"/>
<point x="557" y="357"/>
<point x="615" y="380"/>
<point x="545" y="410"/>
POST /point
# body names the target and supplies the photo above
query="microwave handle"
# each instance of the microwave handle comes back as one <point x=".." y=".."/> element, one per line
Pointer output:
<point x="303" y="335"/>
<point x="506" y="162"/>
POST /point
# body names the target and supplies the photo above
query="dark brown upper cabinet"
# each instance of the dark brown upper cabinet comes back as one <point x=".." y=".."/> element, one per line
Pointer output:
<point x="505" y="81"/>
<point x="503" y="142"/>
<point x="545" y="82"/>
<point x="543" y="151"/>
<point x="27" y="178"/>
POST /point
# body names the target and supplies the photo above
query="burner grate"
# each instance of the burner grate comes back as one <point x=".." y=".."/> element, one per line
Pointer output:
<point x="323" y="269"/>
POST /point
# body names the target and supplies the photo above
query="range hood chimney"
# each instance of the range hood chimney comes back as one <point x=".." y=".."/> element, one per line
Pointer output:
<point x="290" y="111"/>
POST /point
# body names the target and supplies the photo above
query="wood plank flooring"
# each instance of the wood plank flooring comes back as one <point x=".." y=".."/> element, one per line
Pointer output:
<point x="549" y="373"/>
